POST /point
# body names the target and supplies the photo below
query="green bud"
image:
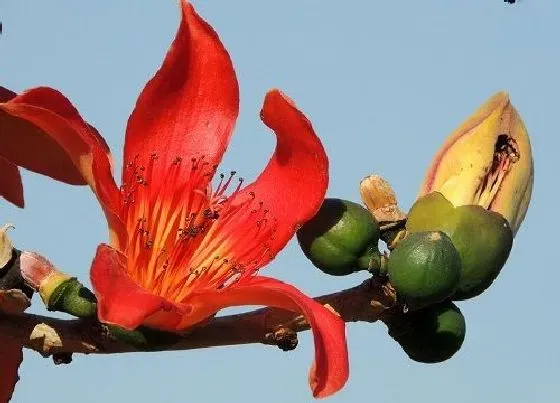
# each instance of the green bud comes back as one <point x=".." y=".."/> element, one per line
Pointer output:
<point x="341" y="238"/>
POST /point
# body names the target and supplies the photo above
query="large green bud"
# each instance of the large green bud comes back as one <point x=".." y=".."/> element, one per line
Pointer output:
<point x="424" y="268"/>
<point x="341" y="238"/>
<point x="430" y="335"/>
<point x="483" y="239"/>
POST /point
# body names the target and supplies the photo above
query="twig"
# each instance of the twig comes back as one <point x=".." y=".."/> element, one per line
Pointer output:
<point x="367" y="302"/>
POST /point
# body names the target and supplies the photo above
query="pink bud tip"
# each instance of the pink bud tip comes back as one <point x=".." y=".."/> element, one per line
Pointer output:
<point x="35" y="268"/>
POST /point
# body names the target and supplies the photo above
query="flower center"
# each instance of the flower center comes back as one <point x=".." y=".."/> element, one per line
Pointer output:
<point x="183" y="235"/>
<point x="506" y="153"/>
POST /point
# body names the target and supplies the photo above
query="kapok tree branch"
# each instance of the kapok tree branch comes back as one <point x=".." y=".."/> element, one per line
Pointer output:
<point x="367" y="302"/>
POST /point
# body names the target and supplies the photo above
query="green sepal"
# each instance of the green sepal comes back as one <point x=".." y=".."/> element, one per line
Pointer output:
<point x="72" y="297"/>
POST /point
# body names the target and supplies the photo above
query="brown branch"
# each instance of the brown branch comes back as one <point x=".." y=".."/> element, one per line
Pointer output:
<point x="366" y="303"/>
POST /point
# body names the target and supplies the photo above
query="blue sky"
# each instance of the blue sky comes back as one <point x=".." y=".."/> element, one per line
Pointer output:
<point x="384" y="82"/>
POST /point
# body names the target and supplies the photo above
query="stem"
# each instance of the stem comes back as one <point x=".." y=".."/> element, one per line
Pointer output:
<point x="366" y="302"/>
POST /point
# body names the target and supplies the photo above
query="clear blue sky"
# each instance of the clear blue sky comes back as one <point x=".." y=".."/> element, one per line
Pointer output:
<point x="383" y="82"/>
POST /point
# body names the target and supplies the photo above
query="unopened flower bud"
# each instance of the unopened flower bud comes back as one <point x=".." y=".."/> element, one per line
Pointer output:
<point x="487" y="161"/>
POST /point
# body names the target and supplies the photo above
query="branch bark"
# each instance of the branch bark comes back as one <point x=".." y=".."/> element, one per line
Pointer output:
<point x="367" y="302"/>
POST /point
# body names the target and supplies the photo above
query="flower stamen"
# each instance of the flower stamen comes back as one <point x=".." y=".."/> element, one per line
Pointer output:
<point x="183" y="236"/>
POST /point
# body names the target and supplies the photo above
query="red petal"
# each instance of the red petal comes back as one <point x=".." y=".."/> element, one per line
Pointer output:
<point x="11" y="356"/>
<point x="189" y="108"/>
<point x="11" y="187"/>
<point x="329" y="371"/>
<point x="42" y="131"/>
<point x="122" y="302"/>
<point x="293" y="185"/>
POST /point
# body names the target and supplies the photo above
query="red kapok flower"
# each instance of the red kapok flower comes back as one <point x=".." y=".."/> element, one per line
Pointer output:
<point x="180" y="250"/>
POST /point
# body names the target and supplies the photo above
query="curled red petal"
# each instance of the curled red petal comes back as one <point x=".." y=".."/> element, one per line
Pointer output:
<point x="188" y="109"/>
<point x="42" y="131"/>
<point x="11" y="187"/>
<point x="122" y="302"/>
<point x="293" y="184"/>
<point x="330" y="369"/>
<point x="11" y="356"/>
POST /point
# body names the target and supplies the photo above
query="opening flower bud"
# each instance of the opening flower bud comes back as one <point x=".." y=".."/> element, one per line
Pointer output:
<point x="487" y="161"/>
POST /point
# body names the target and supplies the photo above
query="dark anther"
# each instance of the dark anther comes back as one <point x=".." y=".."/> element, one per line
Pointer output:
<point x="210" y="214"/>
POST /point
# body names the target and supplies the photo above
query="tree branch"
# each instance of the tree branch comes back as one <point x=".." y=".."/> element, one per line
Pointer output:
<point x="367" y="302"/>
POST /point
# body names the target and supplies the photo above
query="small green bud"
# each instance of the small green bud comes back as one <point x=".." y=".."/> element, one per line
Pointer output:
<point x="341" y="238"/>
